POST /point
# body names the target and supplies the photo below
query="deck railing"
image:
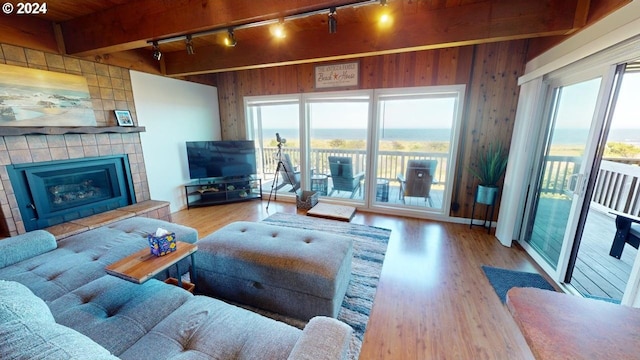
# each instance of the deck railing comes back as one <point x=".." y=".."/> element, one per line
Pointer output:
<point x="390" y="163"/>
<point x="617" y="187"/>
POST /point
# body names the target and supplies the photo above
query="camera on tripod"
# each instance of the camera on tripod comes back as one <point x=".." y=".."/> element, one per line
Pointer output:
<point x="280" y="140"/>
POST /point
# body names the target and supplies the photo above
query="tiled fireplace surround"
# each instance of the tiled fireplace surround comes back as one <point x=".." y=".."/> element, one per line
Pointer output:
<point x="37" y="148"/>
<point x="110" y="88"/>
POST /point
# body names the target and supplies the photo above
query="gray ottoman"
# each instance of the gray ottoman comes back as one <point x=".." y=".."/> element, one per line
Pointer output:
<point x="294" y="272"/>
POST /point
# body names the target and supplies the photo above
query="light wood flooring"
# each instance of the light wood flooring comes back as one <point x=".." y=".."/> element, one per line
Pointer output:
<point x="433" y="300"/>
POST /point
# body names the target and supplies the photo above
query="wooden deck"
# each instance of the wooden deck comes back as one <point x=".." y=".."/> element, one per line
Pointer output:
<point x="596" y="273"/>
<point x="437" y="194"/>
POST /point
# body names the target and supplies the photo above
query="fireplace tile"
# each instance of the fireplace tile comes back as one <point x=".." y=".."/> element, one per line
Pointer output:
<point x="72" y="65"/>
<point x="4" y="157"/>
<point x="75" y="152"/>
<point x="59" y="153"/>
<point x="104" y="150"/>
<point x="106" y="93"/>
<point x="104" y="81"/>
<point x="37" y="141"/>
<point x="88" y="67"/>
<point x="54" y="61"/>
<point x="115" y="139"/>
<point x="39" y="155"/>
<point x="117" y="84"/>
<point x="55" y="141"/>
<point x="91" y="150"/>
<point x="14" y="53"/>
<point x="88" y="139"/>
<point x="35" y="57"/>
<point x="20" y="156"/>
<point x="72" y="140"/>
<point x="102" y="69"/>
<point x="115" y="72"/>
<point x="16" y="142"/>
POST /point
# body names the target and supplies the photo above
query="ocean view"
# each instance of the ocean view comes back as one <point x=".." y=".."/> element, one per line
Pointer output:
<point x="562" y="136"/>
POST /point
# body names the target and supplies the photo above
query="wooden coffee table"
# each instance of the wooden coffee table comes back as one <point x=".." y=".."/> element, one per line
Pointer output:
<point x="143" y="265"/>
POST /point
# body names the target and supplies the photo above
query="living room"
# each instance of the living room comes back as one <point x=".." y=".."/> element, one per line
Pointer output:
<point x="168" y="112"/>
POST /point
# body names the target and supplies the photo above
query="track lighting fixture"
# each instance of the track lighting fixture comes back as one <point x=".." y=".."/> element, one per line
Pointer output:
<point x="156" y="51"/>
<point x="189" y="44"/>
<point x="278" y="30"/>
<point x="332" y="21"/>
<point x="230" y="40"/>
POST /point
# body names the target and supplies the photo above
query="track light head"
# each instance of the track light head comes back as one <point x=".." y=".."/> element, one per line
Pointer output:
<point x="383" y="2"/>
<point x="278" y="30"/>
<point x="189" y="45"/>
<point x="157" y="55"/>
<point x="332" y="21"/>
<point x="230" y="40"/>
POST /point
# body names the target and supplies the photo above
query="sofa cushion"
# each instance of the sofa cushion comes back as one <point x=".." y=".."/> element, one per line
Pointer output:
<point x="28" y="330"/>
<point x="206" y="328"/>
<point x="24" y="246"/>
<point x="116" y="313"/>
<point x="18" y="302"/>
<point x="30" y="340"/>
<point x="81" y="258"/>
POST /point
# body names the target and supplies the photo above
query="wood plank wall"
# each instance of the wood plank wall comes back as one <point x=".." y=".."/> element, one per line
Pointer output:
<point x="490" y="72"/>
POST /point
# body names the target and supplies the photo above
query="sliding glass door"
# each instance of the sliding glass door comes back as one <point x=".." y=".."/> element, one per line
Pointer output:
<point x="265" y="119"/>
<point x="389" y="148"/>
<point x="338" y="124"/>
<point x="416" y="143"/>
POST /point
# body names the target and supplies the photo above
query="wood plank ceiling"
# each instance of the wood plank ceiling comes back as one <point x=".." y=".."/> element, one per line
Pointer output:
<point x="119" y="31"/>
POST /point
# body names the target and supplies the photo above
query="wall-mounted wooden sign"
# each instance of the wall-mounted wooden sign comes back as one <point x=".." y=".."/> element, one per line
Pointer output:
<point x="337" y="75"/>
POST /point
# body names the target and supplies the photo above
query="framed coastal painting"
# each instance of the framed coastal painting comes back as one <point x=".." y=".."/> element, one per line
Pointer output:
<point x="124" y="117"/>
<point x="31" y="97"/>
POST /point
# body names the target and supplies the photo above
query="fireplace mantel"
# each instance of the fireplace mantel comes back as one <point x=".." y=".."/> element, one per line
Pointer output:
<point x="58" y="130"/>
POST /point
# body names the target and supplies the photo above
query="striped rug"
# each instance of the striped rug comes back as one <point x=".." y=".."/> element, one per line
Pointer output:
<point x="369" y="248"/>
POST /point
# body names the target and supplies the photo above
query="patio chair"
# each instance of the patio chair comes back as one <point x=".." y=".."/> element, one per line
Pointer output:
<point x="417" y="180"/>
<point x="288" y="175"/>
<point x="342" y="175"/>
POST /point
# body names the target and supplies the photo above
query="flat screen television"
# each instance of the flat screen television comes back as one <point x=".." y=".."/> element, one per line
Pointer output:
<point x="221" y="159"/>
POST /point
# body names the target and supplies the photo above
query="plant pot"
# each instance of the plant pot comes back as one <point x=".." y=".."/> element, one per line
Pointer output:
<point x="486" y="194"/>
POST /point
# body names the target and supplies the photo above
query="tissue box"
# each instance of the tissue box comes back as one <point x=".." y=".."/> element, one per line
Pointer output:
<point x="162" y="245"/>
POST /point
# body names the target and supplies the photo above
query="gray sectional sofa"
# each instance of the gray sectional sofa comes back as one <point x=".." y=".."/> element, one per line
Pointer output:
<point x="57" y="302"/>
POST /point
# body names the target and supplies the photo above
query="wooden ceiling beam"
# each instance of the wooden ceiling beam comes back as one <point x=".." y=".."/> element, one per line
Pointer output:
<point x="420" y="29"/>
<point x="28" y="31"/>
<point x="132" y="24"/>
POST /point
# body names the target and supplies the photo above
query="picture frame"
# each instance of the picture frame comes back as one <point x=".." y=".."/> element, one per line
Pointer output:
<point x="124" y="117"/>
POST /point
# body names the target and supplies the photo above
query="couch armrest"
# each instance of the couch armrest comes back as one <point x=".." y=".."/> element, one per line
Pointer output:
<point x="323" y="338"/>
<point x="25" y="246"/>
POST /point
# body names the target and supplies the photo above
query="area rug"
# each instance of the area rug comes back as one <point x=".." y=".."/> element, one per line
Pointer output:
<point x="369" y="248"/>
<point x="503" y="279"/>
<point x="333" y="212"/>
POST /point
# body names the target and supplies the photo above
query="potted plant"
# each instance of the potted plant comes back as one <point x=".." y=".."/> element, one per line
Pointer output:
<point x="490" y="167"/>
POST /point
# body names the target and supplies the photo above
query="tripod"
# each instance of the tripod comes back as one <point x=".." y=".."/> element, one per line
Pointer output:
<point x="281" y="166"/>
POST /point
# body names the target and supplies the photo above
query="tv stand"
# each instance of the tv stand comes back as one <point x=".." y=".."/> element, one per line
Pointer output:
<point x="206" y="192"/>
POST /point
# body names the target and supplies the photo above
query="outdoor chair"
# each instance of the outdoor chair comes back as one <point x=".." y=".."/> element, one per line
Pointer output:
<point x="288" y="175"/>
<point x="342" y="175"/>
<point x="417" y="180"/>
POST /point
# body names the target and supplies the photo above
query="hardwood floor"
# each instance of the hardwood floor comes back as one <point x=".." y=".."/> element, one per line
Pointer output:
<point x="433" y="300"/>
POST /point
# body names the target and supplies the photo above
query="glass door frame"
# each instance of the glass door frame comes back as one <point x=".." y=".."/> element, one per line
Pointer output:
<point x="429" y="92"/>
<point x="551" y="83"/>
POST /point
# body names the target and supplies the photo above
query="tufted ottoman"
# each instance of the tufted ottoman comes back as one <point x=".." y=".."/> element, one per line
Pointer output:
<point x="294" y="272"/>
